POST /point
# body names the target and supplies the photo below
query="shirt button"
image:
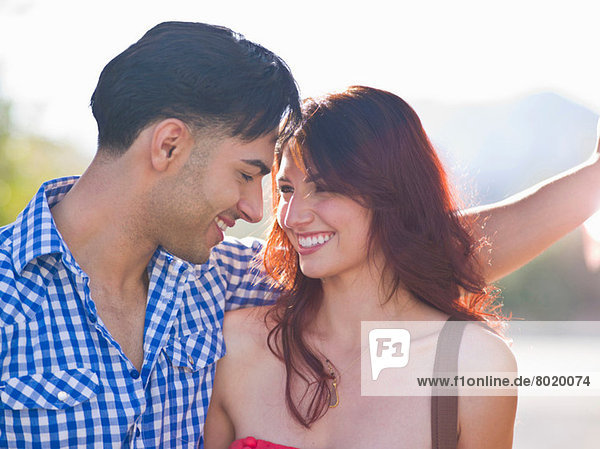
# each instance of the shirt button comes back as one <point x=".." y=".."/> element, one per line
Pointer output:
<point x="134" y="373"/>
<point x="62" y="396"/>
<point x="93" y="318"/>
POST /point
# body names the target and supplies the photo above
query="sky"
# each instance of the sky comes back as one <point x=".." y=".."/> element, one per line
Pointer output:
<point x="460" y="51"/>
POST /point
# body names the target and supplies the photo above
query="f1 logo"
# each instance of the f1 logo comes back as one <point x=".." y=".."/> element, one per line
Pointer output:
<point x="389" y="348"/>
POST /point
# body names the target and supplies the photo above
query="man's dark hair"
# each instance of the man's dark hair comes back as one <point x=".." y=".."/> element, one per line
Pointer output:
<point x="202" y="74"/>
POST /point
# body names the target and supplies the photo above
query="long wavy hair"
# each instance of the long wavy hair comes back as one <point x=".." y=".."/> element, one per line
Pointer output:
<point x="369" y="145"/>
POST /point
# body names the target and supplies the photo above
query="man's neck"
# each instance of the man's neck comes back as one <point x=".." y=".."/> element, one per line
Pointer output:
<point x="102" y="224"/>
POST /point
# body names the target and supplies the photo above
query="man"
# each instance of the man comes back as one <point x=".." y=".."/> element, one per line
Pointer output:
<point x="107" y="338"/>
<point x="109" y="328"/>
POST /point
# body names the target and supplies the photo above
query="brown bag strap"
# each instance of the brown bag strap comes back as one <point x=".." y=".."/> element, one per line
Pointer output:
<point x="444" y="409"/>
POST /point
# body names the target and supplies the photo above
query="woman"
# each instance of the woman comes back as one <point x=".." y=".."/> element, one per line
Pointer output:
<point x="366" y="230"/>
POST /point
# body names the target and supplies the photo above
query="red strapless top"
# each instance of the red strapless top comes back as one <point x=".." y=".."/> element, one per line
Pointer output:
<point x="253" y="443"/>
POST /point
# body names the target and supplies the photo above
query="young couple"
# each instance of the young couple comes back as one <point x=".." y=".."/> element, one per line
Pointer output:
<point x="112" y="302"/>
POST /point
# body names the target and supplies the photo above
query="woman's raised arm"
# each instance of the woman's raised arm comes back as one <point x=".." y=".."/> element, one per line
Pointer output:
<point x="522" y="226"/>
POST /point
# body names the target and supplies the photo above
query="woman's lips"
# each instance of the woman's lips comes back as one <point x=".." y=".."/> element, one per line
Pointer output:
<point x="310" y="243"/>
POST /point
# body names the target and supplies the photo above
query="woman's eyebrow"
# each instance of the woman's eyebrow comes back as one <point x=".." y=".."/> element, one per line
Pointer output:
<point x="264" y="170"/>
<point x="313" y="178"/>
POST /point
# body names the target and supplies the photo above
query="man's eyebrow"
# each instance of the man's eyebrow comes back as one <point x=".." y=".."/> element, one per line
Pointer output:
<point x="282" y="179"/>
<point x="264" y="170"/>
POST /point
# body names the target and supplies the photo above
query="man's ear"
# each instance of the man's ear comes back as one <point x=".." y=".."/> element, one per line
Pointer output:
<point x="171" y="144"/>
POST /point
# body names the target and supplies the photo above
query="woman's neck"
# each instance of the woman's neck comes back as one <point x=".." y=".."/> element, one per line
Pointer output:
<point x="348" y="300"/>
<point x="364" y="296"/>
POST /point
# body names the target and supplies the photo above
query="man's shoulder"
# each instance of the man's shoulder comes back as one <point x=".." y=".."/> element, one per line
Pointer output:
<point x="235" y="247"/>
<point x="234" y="254"/>
<point x="22" y="288"/>
<point x="6" y="237"/>
<point x="9" y="289"/>
<point x="7" y="266"/>
<point x="235" y="269"/>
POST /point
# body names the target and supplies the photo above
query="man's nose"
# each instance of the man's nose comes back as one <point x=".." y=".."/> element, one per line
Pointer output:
<point x="250" y="205"/>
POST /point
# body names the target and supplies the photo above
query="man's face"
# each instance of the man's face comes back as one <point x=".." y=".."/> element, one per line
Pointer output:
<point x="220" y="183"/>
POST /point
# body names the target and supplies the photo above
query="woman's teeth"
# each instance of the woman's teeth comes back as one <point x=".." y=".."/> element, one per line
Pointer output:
<point x="308" y="242"/>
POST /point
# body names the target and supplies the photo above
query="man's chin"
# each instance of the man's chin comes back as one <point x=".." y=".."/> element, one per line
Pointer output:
<point x="197" y="257"/>
<point x="198" y="260"/>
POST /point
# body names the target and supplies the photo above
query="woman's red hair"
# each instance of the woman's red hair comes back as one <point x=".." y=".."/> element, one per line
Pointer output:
<point x="369" y="144"/>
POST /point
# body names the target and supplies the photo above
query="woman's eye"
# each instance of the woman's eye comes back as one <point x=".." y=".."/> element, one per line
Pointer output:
<point x="246" y="177"/>
<point x="282" y="190"/>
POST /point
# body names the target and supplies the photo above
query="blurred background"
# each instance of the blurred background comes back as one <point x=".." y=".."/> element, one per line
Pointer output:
<point x="508" y="92"/>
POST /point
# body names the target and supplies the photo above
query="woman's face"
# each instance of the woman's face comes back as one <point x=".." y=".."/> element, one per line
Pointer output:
<point x="328" y="230"/>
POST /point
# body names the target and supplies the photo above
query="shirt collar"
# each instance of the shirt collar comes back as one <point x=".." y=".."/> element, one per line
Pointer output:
<point x="34" y="231"/>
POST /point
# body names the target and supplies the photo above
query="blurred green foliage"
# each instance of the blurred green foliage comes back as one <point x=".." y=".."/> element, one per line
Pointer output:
<point x="555" y="286"/>
<point x="26" y="161"/>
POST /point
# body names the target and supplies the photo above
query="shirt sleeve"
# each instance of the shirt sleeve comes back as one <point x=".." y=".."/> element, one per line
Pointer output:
<point x="245" y="284"/>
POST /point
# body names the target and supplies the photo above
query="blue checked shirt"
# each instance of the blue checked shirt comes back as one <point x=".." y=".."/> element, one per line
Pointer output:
<point x="64" y="381"/>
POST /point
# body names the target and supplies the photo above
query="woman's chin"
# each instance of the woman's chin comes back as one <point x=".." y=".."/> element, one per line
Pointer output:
<point x="314" y="271"/>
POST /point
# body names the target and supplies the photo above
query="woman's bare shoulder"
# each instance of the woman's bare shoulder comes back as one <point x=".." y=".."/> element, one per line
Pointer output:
<point x="482" y="349"/>
<point x="486" y="416"/>
<point x="245" y="330"/>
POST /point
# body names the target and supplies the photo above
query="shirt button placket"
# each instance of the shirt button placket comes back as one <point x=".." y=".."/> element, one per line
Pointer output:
<point x="140" y="394"/>
<point x="136" y="441"/>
